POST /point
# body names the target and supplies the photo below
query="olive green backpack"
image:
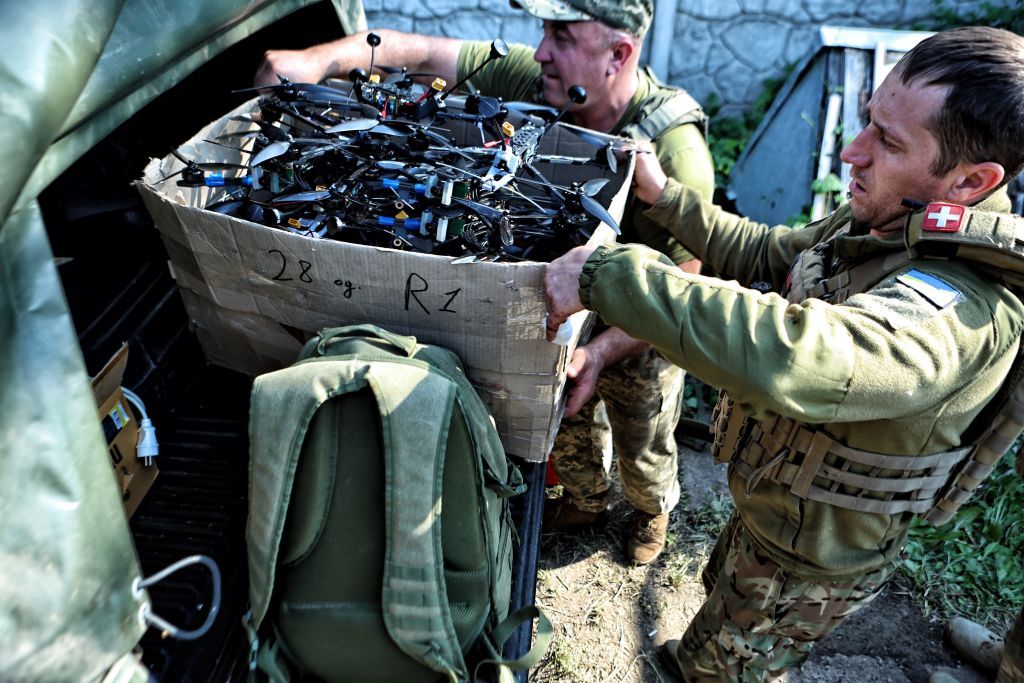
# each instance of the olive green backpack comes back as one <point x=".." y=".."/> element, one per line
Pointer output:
<point x="379" y="535"/>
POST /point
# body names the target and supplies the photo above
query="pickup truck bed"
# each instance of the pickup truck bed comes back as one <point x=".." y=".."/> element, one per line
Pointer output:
<point x="115" y="276"/>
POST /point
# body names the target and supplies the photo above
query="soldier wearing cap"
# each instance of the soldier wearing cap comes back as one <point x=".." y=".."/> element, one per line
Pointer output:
<point x="595" y="44"/>
<point x="879" y="380"/>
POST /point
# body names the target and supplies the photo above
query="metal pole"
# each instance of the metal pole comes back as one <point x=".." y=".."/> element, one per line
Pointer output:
<point x="659" y="48"/>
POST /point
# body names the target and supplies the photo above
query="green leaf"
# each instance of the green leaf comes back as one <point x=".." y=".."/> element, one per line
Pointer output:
<point x="830" y="183"/>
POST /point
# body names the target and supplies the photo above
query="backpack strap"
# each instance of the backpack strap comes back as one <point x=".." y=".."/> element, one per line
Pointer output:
<point x="503" y="631"/>
<point x="671" y="107"/>
<point x="416" y="412"/>
<point x="414" y="599"/>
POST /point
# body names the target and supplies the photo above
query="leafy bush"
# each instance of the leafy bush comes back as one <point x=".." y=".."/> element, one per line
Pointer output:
<point x="972" y="565"/>
<point x="947" y="15"/>
<point x="728" y="135"/>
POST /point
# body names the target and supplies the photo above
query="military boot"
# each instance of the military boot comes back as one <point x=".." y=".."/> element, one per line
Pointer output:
<point x="562" y="514"/>
<point x="646" y="537"/>
<point x="944" y="675"/>
<point x="669" y="661"/>
<point x="975" y="643"/>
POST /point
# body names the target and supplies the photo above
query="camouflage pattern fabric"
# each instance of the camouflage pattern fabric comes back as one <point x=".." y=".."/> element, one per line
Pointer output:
<point x="1011" y="670"/>
<point x="636" y="407"/>
<point x="759" y="619"/>
<point x="633" y="16"/>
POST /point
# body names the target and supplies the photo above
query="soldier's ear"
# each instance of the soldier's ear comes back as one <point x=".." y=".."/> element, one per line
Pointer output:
<point x="974" y="182"/>
<point x="621" y="51"/>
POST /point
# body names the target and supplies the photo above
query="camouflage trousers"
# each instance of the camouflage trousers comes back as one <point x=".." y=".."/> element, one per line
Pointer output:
<point x="1011" y="669"/>
<point x="635" y="408"/>
<point x="760" y="619"/>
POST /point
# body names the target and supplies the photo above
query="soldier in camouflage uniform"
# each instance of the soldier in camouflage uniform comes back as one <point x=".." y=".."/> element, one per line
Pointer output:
<point x="595" y="44"/>
<point x="866" y="388"/>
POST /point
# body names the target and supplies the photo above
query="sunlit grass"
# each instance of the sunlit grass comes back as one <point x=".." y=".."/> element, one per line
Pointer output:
<point x="974" y="565"/>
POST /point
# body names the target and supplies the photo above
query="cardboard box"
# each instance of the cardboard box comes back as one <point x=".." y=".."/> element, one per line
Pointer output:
<point x="255" y="293"/>
<point x="122" y="432"/>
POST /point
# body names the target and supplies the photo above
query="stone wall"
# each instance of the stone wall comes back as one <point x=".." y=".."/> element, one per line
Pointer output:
<point x="726" y="47"/>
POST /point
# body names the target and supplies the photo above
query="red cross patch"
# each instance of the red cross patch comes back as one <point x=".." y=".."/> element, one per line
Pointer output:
<point x="940" y="217"/>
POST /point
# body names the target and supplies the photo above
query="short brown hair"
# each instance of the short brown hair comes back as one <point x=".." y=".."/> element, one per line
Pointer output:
<point x="982" y="118"/>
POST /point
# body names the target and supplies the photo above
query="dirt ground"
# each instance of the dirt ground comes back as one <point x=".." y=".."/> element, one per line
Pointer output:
<point x="610" y="617"/>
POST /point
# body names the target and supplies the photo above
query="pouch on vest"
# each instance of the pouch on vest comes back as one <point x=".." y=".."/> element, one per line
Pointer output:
<point x="666" y="109"/>
<point x="994" y="241"/>
<point x="379" y="535"/>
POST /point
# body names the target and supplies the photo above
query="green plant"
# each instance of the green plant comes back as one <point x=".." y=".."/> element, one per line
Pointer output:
<point x="972" y="566"/>
<point x="947" y="15"/>
<point x="828" y="185"/>
<point x="728" y="135"/>
<point x="697" y="397"/>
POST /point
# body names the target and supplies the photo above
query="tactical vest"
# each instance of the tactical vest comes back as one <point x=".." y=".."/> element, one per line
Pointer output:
<point x="814" y="465"/>
<point x="664" y="109"/>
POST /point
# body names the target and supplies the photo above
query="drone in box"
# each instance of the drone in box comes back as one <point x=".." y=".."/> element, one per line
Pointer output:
<point x="377" y="165"/>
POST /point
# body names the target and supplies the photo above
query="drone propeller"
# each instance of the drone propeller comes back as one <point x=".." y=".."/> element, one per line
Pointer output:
<point x="611" y="158"/>
<point x="226" y="206"/>
<point x="485" y="212"/>
<point x="391" y="130"/>
<point x="271" y="151"/>
<point x="269" y="130"/>
<point x="596" y="139"/>
<point x="584" y="194"/>
<point x="612" y="145"/>
<point x="353" y="126"/>
<point x="310" y="196"/>
<point x="247" y="209"/>
<point x="593" y="207"/>
<point x="221" y="144"/>
<point x="593" y="186"/>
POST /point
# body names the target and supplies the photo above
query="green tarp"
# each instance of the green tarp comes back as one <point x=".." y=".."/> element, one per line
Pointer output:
<point x="70" y="72"/>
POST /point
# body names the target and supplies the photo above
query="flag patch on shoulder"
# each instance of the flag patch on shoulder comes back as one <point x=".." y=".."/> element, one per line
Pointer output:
<point x="938" y="291"/>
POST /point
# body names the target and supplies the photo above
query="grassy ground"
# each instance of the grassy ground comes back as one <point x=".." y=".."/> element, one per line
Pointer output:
<point x="974" y="565"/>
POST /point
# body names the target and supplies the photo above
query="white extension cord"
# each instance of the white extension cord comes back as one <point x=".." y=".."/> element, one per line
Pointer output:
<point x="147" y="447"/>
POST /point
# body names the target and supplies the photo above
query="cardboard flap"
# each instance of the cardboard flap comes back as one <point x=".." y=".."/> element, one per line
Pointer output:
<point x="109" y="378"/>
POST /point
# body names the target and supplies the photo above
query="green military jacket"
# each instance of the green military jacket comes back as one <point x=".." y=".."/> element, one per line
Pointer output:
<point x="894" y="370"/>
<point x="682" y="151"/>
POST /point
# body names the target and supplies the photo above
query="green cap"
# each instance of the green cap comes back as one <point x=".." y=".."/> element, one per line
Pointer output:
<point x="633" y="16"/>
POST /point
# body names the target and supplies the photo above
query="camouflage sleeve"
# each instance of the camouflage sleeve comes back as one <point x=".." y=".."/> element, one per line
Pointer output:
<point x="513" y="78"/>
<point x="732" y="246"/>
<point x="813" y="361"/>
<point x="684" y="156"/>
